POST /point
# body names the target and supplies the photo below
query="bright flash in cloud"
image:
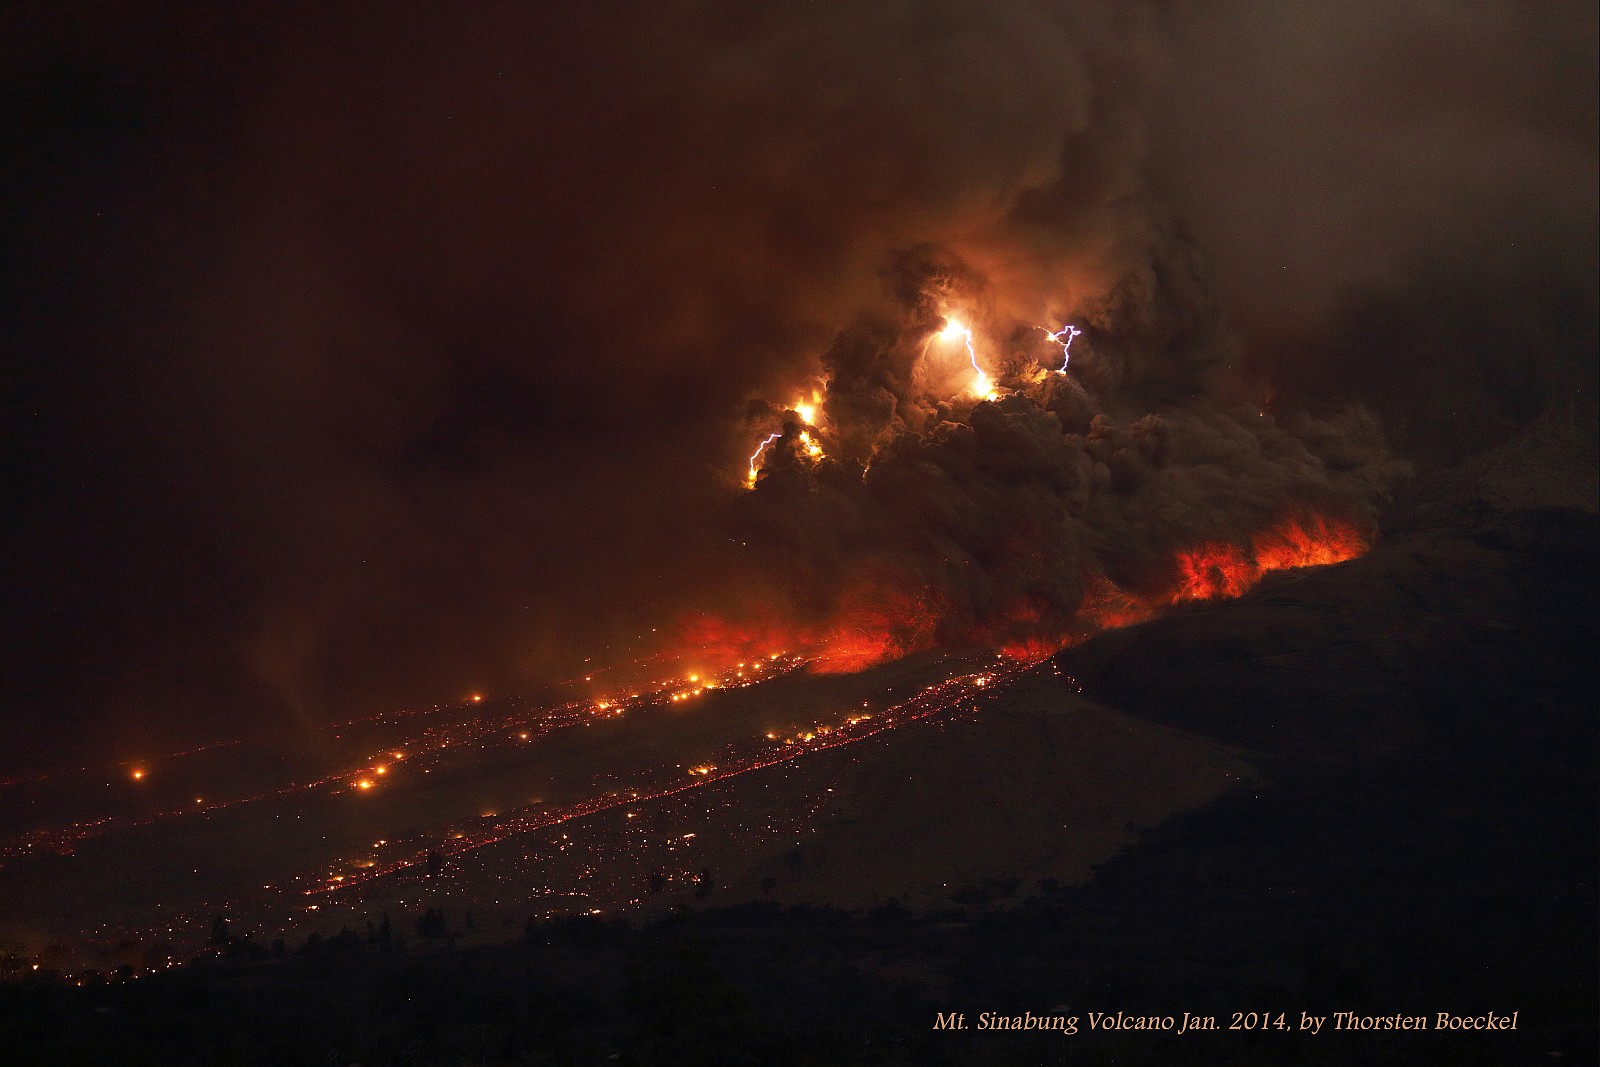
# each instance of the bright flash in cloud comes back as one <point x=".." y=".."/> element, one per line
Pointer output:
<point x="1063" y="337"/>
<point x="755" y="457"/>
<point x="956" y="330"/>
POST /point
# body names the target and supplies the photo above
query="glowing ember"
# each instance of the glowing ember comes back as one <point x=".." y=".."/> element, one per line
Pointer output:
<point x="1033" y="648"/>
<point x="1210" y="572"/>
<point x="1106" y="607"/>
<point x="850" y="650"/>
<point x="883" y="619"/>
<point x="1303" y="540"/>
<point x="875" y="624"/>
<point x="1307" y="541"/>
<point x="1213" y="572"/>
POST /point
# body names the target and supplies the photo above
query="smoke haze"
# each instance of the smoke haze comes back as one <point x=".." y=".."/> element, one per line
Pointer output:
<point x="365" y="357"/>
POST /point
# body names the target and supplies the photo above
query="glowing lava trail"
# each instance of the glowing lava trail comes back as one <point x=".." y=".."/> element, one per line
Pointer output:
<point x="943" y="697"/>
<point x="421" y="749"/>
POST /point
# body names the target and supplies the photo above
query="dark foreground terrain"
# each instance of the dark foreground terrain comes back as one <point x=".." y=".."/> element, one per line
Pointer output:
<point x="1418" y="836"/>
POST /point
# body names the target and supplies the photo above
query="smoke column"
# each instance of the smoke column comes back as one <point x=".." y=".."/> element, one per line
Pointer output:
<point x="371" y="360"/>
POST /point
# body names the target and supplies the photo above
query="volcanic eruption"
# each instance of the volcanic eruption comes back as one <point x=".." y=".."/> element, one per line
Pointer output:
<point x="575" y="461"/>
<point x="928" y="502"/>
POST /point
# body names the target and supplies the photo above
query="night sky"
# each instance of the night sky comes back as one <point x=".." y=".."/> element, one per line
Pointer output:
<point x="362" y="356"/>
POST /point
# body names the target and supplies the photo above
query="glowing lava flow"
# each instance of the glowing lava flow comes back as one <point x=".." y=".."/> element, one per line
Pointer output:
<point x="1066" y="345"/>
<point x="982" y="387"/>
<point x="946" y="696"/>
<point x="419" y="750"/>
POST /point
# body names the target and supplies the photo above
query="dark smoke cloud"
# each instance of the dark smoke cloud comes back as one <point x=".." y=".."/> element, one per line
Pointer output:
<point x="365" y="356"/>
<point x="999" y="516"/>
<point x="1398" y="203"/>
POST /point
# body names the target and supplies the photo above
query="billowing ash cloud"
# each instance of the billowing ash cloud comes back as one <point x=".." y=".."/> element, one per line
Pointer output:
<point x="931" y="516"/>
<point x="376" y="357"/>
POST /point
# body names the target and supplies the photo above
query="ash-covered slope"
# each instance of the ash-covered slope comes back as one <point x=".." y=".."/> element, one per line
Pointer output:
<point x="1417" y="827"/>
<point x="1422" y="827"/>
<point x="1414" y="833"/>
<point x="1034" y="785"/>
<point x="1484" y="625"/>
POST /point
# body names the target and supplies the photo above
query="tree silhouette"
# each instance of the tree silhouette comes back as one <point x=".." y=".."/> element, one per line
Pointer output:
<point x="432" y="925"/>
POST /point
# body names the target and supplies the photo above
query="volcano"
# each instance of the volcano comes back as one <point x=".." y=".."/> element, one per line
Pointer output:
<point x="931" y="531"/>
<point x="1298" y="795"/>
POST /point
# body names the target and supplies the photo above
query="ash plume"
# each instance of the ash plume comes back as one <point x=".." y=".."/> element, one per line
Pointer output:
<point x="982" y="520"/>
<point x="375" y="359"/>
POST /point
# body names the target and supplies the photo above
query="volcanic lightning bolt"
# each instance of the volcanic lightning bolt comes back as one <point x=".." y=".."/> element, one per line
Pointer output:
<point x="755" y="457"/>
<point x="981" y="385"/>
<point x="1070" y="331"/>
<point x="878" y="620"/>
